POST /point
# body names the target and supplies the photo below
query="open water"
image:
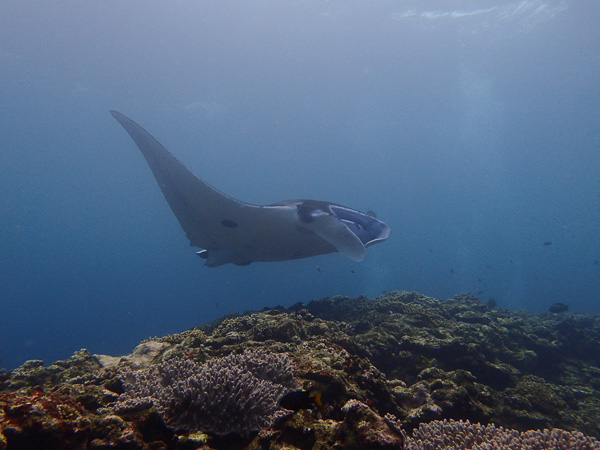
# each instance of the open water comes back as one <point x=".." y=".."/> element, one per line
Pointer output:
<point x="471" y="127"/>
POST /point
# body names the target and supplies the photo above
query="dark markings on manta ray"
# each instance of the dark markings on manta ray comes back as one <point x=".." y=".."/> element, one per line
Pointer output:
<point x="228" y="223"/>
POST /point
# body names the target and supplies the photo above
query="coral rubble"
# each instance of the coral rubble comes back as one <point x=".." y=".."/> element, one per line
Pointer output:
<point x="390" y="371"/>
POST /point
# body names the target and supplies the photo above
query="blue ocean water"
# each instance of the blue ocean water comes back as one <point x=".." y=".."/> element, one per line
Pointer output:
<point x="471" y="127"/>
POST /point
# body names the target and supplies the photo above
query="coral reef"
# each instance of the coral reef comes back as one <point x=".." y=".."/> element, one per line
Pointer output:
<point x="386" y="369"/>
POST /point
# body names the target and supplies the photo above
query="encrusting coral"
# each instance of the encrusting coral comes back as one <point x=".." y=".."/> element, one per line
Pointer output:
<point x="235" y="394"/>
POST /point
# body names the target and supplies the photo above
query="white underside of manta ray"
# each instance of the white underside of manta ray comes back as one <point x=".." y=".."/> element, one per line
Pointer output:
<point x="231" y="231"/>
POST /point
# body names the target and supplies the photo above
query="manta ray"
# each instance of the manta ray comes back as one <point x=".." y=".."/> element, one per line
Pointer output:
<point x="231" y="231"/>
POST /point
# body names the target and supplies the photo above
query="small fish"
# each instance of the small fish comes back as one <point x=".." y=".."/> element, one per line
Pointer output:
<point x="488" y="267"/>
<point x="491" y="303"/>
<point x="547" y="243"/>
<point x="558" y="308"/>
<point x="430" y="251"/>
<point x="596" y="262"/>
<point x="300" y="399"/>
<point x="319" y="269"/>
<point x="427" y="362"/>
<point x="352" y="271"/>
<point x="451" y="270"/>
<point x="480" y="292"/>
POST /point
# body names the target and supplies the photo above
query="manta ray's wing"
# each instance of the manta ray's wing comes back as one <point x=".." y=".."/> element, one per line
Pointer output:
<point x="205" y="214"/>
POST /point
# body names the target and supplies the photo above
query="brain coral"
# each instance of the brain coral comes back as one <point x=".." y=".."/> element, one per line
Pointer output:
<point x="235" y="394"/>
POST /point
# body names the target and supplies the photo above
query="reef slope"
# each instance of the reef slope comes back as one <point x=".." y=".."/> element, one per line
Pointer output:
<point x="381" y="368"/>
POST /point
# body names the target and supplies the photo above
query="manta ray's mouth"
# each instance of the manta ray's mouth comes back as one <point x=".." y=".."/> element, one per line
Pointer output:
<point x="366" y="227"/>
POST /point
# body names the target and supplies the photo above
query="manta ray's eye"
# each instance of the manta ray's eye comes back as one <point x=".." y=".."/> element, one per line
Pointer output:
<point x="228" y="223"/>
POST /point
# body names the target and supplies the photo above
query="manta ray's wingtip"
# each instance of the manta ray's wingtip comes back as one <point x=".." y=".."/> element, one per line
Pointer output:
<point x="117" y="115"/>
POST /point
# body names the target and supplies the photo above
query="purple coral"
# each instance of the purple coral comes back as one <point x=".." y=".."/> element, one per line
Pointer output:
<point x="235" y="394"/>
<point x="447" y="434"/>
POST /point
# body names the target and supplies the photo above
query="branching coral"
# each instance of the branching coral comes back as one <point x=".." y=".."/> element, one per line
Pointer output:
<point x="450" y="434"/>
<point x="235" y="394"/>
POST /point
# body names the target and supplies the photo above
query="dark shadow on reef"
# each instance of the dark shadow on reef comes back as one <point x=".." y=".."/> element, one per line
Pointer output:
<point x="334" y="373"/>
